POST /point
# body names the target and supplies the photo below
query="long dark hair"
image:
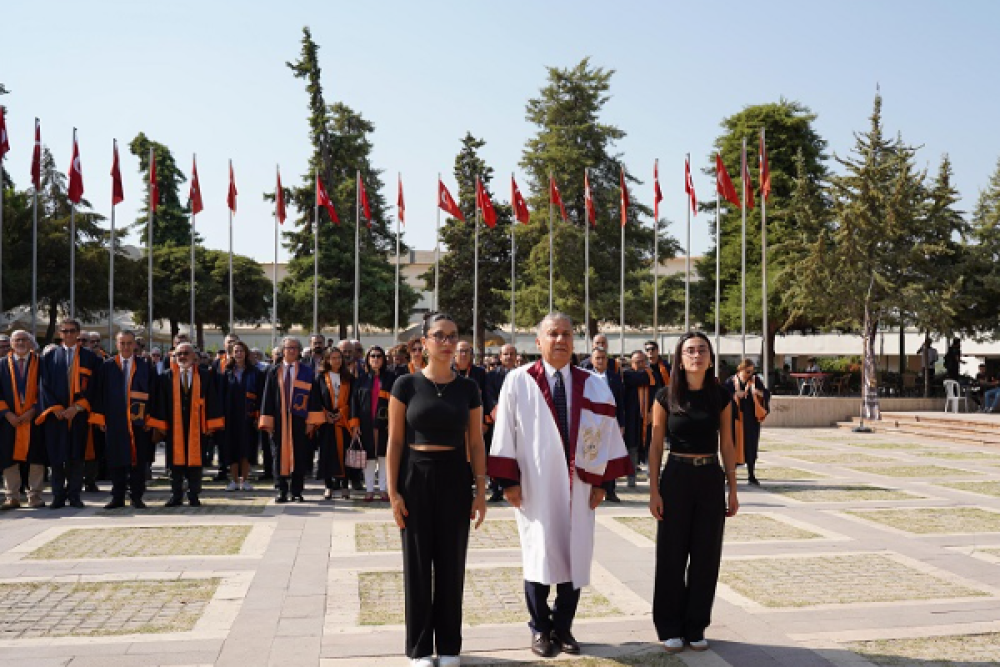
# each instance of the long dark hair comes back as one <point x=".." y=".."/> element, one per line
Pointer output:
<point x="677" y="392"/>
<point x="345" y="375"/>
<point x="368" y="366"/>
<point x="231" y="359"/>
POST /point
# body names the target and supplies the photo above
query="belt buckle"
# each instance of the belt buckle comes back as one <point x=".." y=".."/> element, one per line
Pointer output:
<point x="701" y="461"/>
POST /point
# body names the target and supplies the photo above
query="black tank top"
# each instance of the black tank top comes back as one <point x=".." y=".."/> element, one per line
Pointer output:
<point x="437" y="420"/>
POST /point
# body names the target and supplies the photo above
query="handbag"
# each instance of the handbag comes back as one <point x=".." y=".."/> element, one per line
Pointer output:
<point x="759" y="411"/>
<point x="355" y="456"/>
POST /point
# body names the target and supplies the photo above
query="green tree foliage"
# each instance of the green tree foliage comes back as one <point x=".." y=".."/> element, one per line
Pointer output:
<point x="341" y="144"/>
<point x="457" y="268"/>
<point x="982" y="275"/>
<point x="172" y="219"/>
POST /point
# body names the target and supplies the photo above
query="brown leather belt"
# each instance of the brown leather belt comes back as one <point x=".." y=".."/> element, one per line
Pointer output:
<point x="696" y="460"/>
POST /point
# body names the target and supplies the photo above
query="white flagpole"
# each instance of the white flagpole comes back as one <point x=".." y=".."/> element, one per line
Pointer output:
<point x="475" y="285"/>
<point x="621" y="300"/>
<point x="232" y="321"/>
<point x="656" y="270"/>
<point x="316" y="259"/>
<point x="513" y="269"/>
<point x="34" y="264"/>
<point x="111" y="265"/>
<point x="718" y="283"/>
<point x="763" y="272"/>
<point x="72" y="247"/>
<point x="551" y="251"/>
<point x="274" y="269"/>
<point x="149" y="252"/>
<point x="687" y="263"/>
<point x="437" y="244"/>
<point x="357" y="251"/>
<point x="586" y="266"/>
<point x="193" y="216"/>
<point x="743" y="255"/>
<point x="395" y="309"/>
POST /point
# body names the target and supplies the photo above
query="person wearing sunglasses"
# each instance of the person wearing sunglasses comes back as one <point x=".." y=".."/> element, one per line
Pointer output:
<point x="283" y="414"/>
<point x="688" y="498"/>
<point x="434" y="419"/>
<point x="370" y="406"/>
<point x="66" y="373"/>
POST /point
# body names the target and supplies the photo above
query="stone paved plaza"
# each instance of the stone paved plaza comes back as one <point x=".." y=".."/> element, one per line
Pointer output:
<point x="857" y="550"/>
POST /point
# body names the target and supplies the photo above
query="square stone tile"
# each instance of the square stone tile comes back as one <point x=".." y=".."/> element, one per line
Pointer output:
<point x="384" y="536"/>
<point x="778" y="473"/>
<point x="934" y="520"/>
<point x="835" y="580"/>
<point x="914" y="471"/>
<point x="953" y="650"/>
<point x="744" y="527"/>
<point x="984" y="488"/>
<point x="492" y="595"/>
<point x="844" y="458"/>
<point x="838" y="493"/>
<point x="143" y="542"/>
<point x="95" y="609"/>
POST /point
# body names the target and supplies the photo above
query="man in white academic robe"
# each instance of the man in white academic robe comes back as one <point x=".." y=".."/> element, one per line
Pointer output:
<point x="556" y="448"/>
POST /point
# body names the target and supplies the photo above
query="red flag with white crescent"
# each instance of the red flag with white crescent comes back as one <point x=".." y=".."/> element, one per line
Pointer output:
<point x="447" y="204"/>
<point x="724" y="184"/>
<point x="657" y="193"/>
<point x="747" y="182"/>
<point x="588" y="199"/>
<point x="36" y="158"/>
<point x="154" y="188"/>
<point x="75" y="175"/>
<point x="117" y="193"/>
<point x="521" y="212"/>
<point x="4" y="142"/>
<point x="364" y="202"/>
<point x="231" y="195"/>
<point x="279" y="201"/>
<point x="556" y="198"/>
<point x="689" y="186"/>
<point x="400" y="203"/>
<point x="765" y="169"/>
<point x="485" y="205"/>
<point x="323" y="199"/>
<point x="197" y="206"/>
<point x="624" y="198"/>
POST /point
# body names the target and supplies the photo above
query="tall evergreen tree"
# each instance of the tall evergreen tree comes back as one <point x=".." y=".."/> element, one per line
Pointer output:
<point x="172" y="220"/>
<point x="982" y="274"/>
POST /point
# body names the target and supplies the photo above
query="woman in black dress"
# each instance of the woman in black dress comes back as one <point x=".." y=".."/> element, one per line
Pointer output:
<point x="242" y="385"/>
<point x="688" y="499"/>
<point x="370" y="404"/>
<point x="330" y="420"/>
<point x="435" y="417"/>
<point x="748" y="392"/>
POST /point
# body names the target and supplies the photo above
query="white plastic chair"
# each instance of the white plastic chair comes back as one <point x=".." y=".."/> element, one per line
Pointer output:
<point x="953" y="395"/>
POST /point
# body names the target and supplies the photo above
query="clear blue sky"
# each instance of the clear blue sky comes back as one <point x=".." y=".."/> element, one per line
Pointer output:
<point x="210" y="78"/>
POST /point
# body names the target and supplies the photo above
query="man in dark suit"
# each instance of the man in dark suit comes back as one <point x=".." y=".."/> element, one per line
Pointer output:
<point x="491" y="396"/>
<point x="283" y="414"/>
<point x="601" y="341"/>
<point x="656" y="364"/>
<point x="463" y="366"/>
<point x="66" y="374"/>
<point x="640" y="389"/>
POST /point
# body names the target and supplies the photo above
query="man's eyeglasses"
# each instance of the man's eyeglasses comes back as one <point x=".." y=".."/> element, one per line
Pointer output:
<point x="69" y="331"/>
<point x="376" y="355"/>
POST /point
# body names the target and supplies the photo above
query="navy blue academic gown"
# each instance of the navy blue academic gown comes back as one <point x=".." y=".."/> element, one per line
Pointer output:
<point x="123" y="408"/>
<point x="59" y="390"/>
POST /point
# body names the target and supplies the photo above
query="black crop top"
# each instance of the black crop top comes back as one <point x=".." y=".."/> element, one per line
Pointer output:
<point x="433" y="419"/>
<point x="695" y="431"/>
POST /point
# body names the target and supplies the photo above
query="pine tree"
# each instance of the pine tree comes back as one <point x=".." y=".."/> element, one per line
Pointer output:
<point x="982" y="273"/>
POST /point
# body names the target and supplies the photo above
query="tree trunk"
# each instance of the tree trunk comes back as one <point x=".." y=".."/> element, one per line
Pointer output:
<point x="50" y="330"/>
<point x="927" y="370"/>
<point x="869" y="372"/>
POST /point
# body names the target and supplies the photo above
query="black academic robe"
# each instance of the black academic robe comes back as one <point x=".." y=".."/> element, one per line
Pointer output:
<point x="638" y="391"/>
<point x="241" y="408"/>
<point x="62" y="387"/>
<point x="661" y="373"/>
<point x="175" y="409"/>
<point x="361" y="407"/>
<point x="477" y="373"/>
<point x="123" y="409"/>
<point x="745" y="417"/>
<point x="491" y="397"/>
<point x="26" y="443"/>
<point x="291" y="447"/>
<point x="332" y="439"/>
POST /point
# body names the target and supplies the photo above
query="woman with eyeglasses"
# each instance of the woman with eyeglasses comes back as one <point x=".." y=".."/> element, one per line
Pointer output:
<point x="371" y="406"/>
<point x="331" y="421"/>
<point x="416" y="350"/>
<point x="429" y="482"/>
<point x="752" y="398"/>
<point x="688" y="498"/>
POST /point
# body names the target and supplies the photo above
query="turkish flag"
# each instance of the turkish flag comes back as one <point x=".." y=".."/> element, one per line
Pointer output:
<point x="588" y="199"/>
<point x="195" y="194"/>
<point x="556" y="198"/>
<point x="400" y="204"/>
<point x="724" y="184"/>
<point x="747" y="183"/>
<point x="447" y="204"/>
<point x="485" y="205"/>
<point x="231" y="195"/>
<point x="154" y="188"/>
<point x="36" y="158"/>
<point x="117" y="193"/>
<point x="279" y="201"/>
<point x="75" y="175"/>
<point x="657" y="193"/>
<point x="4" y="143"/>
<point x="624" y="197"/>
<point x="323" y="199"/>
<point x="689" y="186"/>
<point x="765" y="169"/>
<point x="364" y="201"/>
<point x="521" y="212"/>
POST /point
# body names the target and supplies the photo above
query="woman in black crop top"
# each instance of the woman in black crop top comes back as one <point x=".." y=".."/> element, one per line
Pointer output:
<point x="430" y="492"/>
<point x="689" y="498"/>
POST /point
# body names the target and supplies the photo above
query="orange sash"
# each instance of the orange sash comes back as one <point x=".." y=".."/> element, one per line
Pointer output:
<point x="196" y="422"/>
<point x="287" y="462"/>
<point x="741" y="456"/>
<point x="646" y="408"/>
<point x="22" y="437"/>
<point x="128" y="402"/>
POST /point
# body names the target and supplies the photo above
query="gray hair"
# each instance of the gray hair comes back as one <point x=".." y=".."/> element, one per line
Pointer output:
<point x="553" y="316"/>
<point x="293" y="339"/>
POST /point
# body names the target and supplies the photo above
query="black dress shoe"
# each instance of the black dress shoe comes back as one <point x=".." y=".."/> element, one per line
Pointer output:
<point x="91" y="487"/>
<point x="566" y="642"/>
<point x="541" y="645"/>
<point x="753" y="481"/>
<point x="58" y="504"/>
<point x="173" y="502"/>
<point x="76" y="503"/>
<point x="281" y="498"/>
<point x="116" y="503"/>
<point x="193" y="501"/>
<point x="611" y="497"/>
<point x="497" y="497"/>
<point x="298" y="499"/>
<point x="138" y="504"/>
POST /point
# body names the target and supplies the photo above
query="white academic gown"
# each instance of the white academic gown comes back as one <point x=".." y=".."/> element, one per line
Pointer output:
<point x="555" y="521"/>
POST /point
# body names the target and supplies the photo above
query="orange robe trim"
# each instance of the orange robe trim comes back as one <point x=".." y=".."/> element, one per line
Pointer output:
<point x="22" y="437"/>
<point x="79" y="379"/>
<point x="189" y="453"/>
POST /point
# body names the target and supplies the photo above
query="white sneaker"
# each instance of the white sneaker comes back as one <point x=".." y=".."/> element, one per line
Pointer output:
<point x="422" y="662"/>
<point x="449" y="661"/>
<point x="674" y="644"/>
<point x="231" y="486"/>
<point x="247" y="486"/>
<point x="700" y="645"/>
